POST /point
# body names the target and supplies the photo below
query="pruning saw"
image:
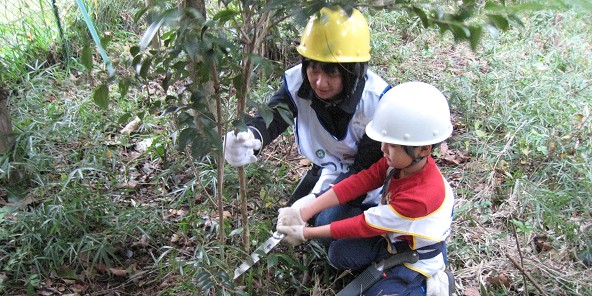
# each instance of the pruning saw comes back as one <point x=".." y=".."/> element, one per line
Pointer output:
<point x="263" y="249"/>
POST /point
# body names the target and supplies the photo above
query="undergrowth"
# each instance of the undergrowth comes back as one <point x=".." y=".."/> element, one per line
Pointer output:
<point x="88" y="208"/>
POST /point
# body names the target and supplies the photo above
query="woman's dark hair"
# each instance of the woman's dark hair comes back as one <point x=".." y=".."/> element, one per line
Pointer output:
<point x="351" y="73"/>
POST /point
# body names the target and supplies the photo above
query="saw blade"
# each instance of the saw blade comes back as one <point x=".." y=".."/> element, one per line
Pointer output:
<point x="263" y="249"/>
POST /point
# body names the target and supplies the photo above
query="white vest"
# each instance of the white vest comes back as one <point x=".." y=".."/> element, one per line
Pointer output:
<point x="425" y="231"/>
<point x="316" y="143"/>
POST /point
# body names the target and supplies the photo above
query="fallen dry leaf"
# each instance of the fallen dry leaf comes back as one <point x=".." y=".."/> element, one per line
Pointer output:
<point x="101" y="267"/>
<point x="304" y="162"/>
<point x="226" y="214"/>
<point x="452" y="156"/>
<point x="118" y="272"/>
<point x="131" y="126"/>
<point x="143" y="242"/>
<point x="541" y="244"/>
<point x="472" y="291"/>
<point x="499" y="280"/>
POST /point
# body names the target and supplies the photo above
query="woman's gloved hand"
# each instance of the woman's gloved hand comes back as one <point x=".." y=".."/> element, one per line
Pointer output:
<point x="239" y="148"/>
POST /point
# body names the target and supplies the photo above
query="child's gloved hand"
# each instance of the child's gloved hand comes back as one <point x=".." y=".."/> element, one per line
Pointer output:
<point x="289" y="217"/>
<point x="294" y="234"/>
<point x="238" y="148"/>
<point x="438" y="284"/>
<point x="303" y="201"/>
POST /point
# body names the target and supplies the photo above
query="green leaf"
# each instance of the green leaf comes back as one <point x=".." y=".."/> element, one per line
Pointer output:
<point x="498" y="21"/>
<point x="186" y="137"/>
<point x="180" y="65"/>
<point x="239" y="125"/>
<point x="86" y="57"/>
<point x="586" y="258"/>
<point x="139" y="14"/>
<point x="285" y="113"/>
<point x="145" y="67"/>
<point x="166" y="81"/>
<point x="422" y="16"/>
<point x="476" y="33"/>
<point x="184" y="118"/>
<point x="460" y="31"/>
<point x="134" y="50"/>
<point x="136" y="61"/>
<point x="202" y="279"/>
<point x="199" y="148"/>
<point x="159" y="149"/>
<point x="225" y="15"/>
<point x="123" y="85"/>
<point x="267" y="115"/>
<point x="105" y="40"/>
<point x="124" y="118"/>
<point x="101" y="96"/>
<point x="480" y="134"/>
<point x="272" y="260"/>
<point x="289" y="261"/>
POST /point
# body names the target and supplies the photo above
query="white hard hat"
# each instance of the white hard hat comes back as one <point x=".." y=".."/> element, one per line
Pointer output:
<point x="411" y="114"/>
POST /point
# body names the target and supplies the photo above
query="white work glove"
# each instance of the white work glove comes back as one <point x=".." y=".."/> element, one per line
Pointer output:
<point x="294" y="234"/>
<point x="299" y="204"/>
<point x="438" y="284"/>
<point x="289" y="217"/>
<point x="238" y="149"/>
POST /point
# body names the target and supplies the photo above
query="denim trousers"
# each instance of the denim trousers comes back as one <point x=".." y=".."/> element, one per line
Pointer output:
<point x="357" y="254"/>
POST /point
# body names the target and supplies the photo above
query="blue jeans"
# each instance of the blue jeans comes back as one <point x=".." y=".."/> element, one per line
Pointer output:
<point x="335" y="213"/>
<point x="357" y="254"/>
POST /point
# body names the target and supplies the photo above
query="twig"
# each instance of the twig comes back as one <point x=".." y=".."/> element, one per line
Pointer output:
<point x="527" y="275"/>
<point x="515" y="193"/>
<point x="305" y="278"/>
<point x="521" y="258"/>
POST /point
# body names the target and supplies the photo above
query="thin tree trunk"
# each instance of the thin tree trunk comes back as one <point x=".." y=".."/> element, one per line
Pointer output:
<point x="212" y="90"/>
<point x="6" y="136"/>
<point x="259" y="29"/>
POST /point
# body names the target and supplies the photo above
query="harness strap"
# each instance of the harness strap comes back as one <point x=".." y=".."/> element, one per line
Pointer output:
<point x="432" y="251"/>
<point x="426" y="252"/>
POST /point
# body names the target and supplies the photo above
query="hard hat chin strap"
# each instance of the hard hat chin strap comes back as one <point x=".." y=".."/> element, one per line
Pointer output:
<point x="410" y="150"/>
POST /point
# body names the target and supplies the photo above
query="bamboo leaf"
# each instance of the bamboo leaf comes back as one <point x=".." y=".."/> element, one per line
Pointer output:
<point x="150" y="33"/>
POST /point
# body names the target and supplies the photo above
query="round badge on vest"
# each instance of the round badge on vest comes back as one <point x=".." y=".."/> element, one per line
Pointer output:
<point x="320" y="153"/>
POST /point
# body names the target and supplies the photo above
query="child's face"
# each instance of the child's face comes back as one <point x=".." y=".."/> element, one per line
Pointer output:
<point x="395" y="155"/>
<point x="325" y="85"/>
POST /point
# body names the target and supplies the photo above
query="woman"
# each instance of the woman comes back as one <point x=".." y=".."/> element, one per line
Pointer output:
<point x="331" y="95"/>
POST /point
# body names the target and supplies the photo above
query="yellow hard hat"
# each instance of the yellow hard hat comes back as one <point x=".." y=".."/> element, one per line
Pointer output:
<point x="332" y="36"/>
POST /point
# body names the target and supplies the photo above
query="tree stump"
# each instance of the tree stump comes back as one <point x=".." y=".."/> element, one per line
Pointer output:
<point x="6" y="136"/>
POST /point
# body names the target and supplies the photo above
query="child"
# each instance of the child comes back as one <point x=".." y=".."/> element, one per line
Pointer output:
<point x="416" y="208"/>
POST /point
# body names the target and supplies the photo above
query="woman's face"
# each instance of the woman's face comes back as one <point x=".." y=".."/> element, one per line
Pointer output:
<point x="325" y="85"/>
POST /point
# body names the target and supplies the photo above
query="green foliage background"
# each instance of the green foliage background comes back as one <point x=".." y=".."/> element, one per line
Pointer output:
<point x="85" y="207"/>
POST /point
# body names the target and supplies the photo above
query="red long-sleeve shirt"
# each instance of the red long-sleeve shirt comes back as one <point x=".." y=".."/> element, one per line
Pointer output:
<point x="410" y="198"/>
